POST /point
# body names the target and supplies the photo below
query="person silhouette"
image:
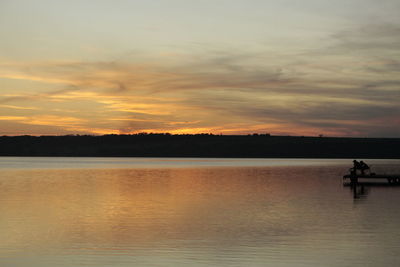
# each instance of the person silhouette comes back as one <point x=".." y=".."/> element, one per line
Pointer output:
<point x="356" y="166"/>
<point x="363" y="167"/>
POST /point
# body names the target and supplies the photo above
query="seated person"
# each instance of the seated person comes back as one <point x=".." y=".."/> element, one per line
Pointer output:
<point x="356" y="166"/>
<point x="363" y="167"/>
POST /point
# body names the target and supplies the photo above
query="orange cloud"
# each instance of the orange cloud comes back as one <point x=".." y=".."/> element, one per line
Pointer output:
<point x="46" y="120"/>
<point x="13" y="118"/>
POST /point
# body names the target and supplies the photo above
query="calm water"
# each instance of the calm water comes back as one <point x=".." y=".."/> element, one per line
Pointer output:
<point x="194" y="212"/>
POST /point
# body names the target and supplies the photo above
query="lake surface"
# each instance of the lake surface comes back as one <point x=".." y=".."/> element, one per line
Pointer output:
<point x="194" y="212"/>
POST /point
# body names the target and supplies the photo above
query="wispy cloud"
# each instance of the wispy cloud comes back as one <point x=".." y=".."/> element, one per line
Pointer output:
<point x="18" y="107"/>
<point x="47" y="120"/>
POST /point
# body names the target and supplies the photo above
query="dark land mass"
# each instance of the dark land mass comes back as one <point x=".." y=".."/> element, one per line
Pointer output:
<point x="200" y="145"/>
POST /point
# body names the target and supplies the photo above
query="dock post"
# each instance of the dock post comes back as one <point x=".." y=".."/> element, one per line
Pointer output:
<point x="354" y="179"/>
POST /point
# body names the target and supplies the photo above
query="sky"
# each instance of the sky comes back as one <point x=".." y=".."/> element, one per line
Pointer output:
<point x="284" y="67"/>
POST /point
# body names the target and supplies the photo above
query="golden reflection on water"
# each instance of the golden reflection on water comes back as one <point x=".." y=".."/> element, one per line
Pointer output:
<point x="237" y="212"/>
<point x="118" y="206"/>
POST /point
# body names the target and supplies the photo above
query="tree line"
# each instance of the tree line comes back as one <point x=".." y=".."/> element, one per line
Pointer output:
<point x="199" y="145"/>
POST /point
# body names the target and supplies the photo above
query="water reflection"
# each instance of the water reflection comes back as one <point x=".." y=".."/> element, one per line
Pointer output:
<point x="247" y="216"/>
<point x="361" y="190"/>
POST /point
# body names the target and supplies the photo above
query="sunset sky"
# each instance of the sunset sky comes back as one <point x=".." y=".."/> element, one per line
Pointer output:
<point x="286" y="67"/>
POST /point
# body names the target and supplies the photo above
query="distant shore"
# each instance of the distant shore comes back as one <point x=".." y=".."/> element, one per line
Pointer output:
<point x="201" y="145"/>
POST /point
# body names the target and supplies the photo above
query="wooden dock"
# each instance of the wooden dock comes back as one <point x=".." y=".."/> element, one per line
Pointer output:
<point x="391" y="178"/>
